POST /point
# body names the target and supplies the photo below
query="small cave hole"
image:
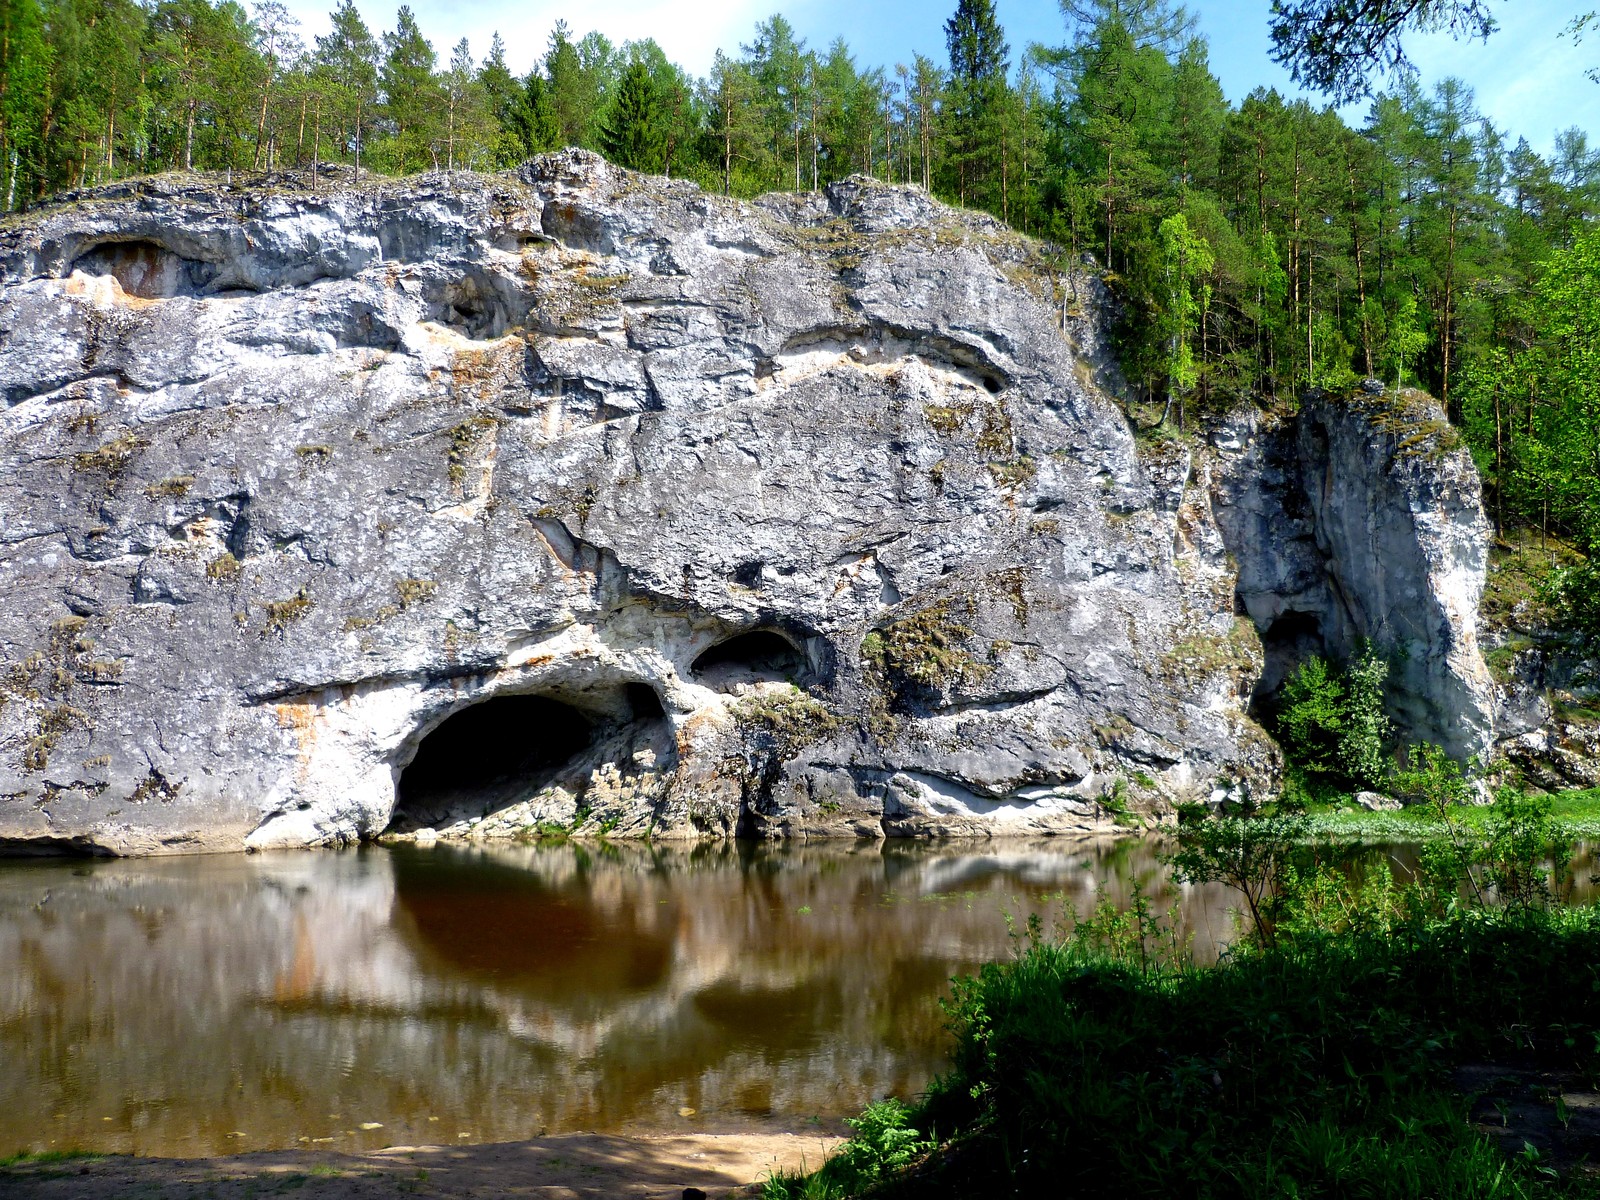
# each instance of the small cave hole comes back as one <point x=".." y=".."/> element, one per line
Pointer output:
<point x="146" y="270"/>
<point x="644" y="703"/>
<point x="761" y="655"/>
<point x="473" y="306"/>
<point x="499" y="745"/>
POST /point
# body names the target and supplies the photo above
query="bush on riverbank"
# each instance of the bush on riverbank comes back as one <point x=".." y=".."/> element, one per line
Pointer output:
<point x="1361" y="1040"/>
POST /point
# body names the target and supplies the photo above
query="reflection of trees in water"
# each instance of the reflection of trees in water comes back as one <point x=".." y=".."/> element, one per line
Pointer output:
<point x="506" y="989"/>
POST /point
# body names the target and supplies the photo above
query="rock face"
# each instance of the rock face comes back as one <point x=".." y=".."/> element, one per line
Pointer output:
<point x="1361" y="517"/>
<point x="601" y="503"/>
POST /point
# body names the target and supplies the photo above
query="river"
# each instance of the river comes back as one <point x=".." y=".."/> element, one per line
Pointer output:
<point x="356" y="999"/>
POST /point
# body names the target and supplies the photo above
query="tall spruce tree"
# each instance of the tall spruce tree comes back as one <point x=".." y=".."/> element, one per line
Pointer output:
<point x="975" y="109"/>
<point x="631" y="134"/>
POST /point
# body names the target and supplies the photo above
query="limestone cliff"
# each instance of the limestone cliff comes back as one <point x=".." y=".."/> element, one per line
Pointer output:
<point x="635" y="509"/>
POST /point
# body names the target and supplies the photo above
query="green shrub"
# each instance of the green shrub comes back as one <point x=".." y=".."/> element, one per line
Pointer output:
<point x="1311" y="718"/>
<point x="1364" y="739"/>
<point x="883" y="1142"/>
<point x="1332" y="723"/>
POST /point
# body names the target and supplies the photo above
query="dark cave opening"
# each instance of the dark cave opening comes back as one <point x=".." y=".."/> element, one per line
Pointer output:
<point x="1292" y="638"/>
<point x="761" y="655"/>
<point x="644" y="703"/>
<point x="496" y="744"/>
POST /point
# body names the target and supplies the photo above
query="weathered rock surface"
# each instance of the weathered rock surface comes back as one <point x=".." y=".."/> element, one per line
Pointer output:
<point x="1361" y="518"/>
<point x="805" y="516"/>
<point x="1547" y="682"/>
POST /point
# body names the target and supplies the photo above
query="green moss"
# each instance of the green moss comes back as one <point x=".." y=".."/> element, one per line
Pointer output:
<point x="1201" y="654"/>
<point x="53" y="723"/>
<point x="1412" y="418"/>
<point x="994" y="440"/>
<point x="918" y="656"/>
<point x="283" y="613"/>
<point x="947" y="420"/>
<point x="174" y="488"/>
<point x="1115" y="728"/>
<point x="224" y="568"/>
<point x="1014" y="473"/>
<point x="464" y="440"/>
<point x="599" y="283"/>
<point x="155" y="786"/>
<point x="104" y="671"/>
<point x="788" y="721"/>
<point x="415" y="591"/>
<point x="110" y="459"/>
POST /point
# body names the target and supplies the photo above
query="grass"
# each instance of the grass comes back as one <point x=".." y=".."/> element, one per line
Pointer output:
<point x="36" y="1158"/>
<point x="1344" y="822"/>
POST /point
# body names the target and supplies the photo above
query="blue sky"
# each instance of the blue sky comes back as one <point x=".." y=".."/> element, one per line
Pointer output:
<point x="1528" y="79"/>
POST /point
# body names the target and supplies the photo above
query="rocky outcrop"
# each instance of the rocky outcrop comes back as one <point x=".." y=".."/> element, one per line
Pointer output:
<point x="1360" y="517"/>
<point x="1547" y="680"/>
<point x="574" y="498"/>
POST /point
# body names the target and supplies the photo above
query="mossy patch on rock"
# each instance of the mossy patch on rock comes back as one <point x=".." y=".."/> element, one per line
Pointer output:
<point x="786" y="721"/>
<point x="915" y="659"/>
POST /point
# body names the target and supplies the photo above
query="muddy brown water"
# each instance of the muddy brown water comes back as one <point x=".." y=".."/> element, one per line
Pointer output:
<point x="353" y="1000"/>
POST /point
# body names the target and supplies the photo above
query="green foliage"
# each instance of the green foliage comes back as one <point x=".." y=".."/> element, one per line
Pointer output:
<point x="883" y="1142"/>
<point x="1332" y="724"/>
<point x="1254" y="857"/>
<point x="918" y="656"/>
<point x="1310" y="718"/>
<point x="631" y="135"/>
<point x="1337" y="46"/>
<point x="1364" y="740"/>
<point x="1315" y="1060"/>
<point x="1300" y="1071"/>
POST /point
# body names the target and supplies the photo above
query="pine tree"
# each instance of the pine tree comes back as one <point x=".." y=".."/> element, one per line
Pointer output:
<point x="276" y="42"/>
<point x="348" y="56"/>
<point x="412" y="99"/>
<point x="728" y="95"/>
<point x="467" y="135"/>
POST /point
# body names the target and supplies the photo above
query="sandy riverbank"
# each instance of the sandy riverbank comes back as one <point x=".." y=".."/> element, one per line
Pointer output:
<point x="567" y="1167"/>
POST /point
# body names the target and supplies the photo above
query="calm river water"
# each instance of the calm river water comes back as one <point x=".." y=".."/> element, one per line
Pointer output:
<point x="208" y="1005"/>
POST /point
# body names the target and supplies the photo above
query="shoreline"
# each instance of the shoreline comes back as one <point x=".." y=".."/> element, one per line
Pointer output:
<point x="567" y="1166"/>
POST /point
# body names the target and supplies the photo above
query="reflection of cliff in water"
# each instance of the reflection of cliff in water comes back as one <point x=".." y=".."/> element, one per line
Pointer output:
<point x="502" y="990"/>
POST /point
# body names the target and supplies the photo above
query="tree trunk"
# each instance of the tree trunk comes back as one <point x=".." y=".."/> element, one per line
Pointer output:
<point x="261" y="126"/>
<point x="1445" y="323"/>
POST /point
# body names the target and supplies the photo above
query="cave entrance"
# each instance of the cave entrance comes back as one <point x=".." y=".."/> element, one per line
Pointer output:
<point x="487" y="755"/>
<point x="1290" y="640"/>
<point x="759" y="656"/>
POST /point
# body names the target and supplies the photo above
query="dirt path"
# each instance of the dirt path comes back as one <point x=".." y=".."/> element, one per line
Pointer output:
<point x="575" y="1166"/>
